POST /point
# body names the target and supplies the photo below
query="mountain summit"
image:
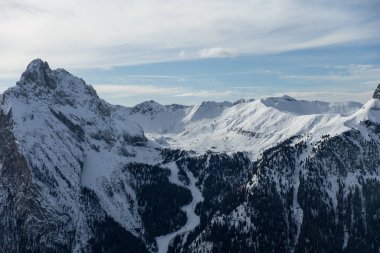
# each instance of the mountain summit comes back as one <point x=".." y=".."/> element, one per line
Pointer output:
<point x="38" y="72"/>
<point x="376" y="94"/>
<point x="78" y="174"/>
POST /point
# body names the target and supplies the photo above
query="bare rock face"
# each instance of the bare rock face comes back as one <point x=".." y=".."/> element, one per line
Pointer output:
<point x="376" y="94"/>
<point x="38" y="72"/>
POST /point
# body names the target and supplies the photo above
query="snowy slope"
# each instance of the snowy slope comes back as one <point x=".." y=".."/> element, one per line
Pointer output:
<point x="249" y="126"/>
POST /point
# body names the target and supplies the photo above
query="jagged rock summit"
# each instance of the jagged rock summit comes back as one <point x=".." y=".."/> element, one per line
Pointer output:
<point x="376" y="94"/>
<point x="37" y="72"/>
<point x="40" y="82"/>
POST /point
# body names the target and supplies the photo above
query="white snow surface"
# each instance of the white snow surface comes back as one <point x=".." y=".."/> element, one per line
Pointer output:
<point x="247" y="126"/>
<point x="193" y="220"/>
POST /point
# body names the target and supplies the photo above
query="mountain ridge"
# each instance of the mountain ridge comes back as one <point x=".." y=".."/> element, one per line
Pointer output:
<point x="227" y="127"/>
<point x="150" y="104"/>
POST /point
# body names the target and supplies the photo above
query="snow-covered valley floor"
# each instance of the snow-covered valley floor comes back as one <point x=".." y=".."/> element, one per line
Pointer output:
<point x="192" y="219"/>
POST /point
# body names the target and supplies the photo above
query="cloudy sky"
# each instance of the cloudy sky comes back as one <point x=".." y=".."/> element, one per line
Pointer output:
<point x="186" y="51"/>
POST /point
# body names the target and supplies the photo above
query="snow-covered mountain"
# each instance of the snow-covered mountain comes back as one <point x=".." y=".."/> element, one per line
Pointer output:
<point x="61" y="146"/>
<point x="78" y="174"/>
<point x="251" y="126"/>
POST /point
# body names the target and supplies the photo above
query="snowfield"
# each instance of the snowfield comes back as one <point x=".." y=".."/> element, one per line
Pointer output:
<point x="251" y="126"/>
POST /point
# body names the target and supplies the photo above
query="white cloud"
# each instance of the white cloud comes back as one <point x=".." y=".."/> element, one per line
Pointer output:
<point x="214" y="52"/>
<point x="103" y="33"/>
<point x="359" y="71"/>
<point x="112" y="90"/>
<point x="184" y="54"/>
<point x="364" y="74"/>
<point x="217" y="52"/>
<point x="120" y="90"/>
<point x="207" y="93"/>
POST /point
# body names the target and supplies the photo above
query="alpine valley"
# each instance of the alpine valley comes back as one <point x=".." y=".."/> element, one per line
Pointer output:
<point x="78" y="174"/>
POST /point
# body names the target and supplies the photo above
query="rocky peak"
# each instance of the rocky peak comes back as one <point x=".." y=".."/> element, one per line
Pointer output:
<point x="288" y="98"/>
<point x="284" y="98"/>
<point x="58" y="86"/>
<point x="150" y="106"/>
<point x="37" y="64"/>
<point x="39" y="72"/>
<point x="243" y="100"/>
<point x="376" y="94"/>
<point x="210" y="104"/>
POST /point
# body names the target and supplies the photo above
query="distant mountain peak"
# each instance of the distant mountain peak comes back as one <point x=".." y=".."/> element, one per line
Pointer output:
<point x="150" y="106"/>
<point x="38" y="72"/>
<point x="215" y="104"/>
<point x="282" y="98"/>
<point x="289" y="98"/>
<point x="37" y="64"/>
<point x="243" y="100"/>
<point x="40" y="85"/>
<point x="376" y="94"/>
<point x="150" y="103"/>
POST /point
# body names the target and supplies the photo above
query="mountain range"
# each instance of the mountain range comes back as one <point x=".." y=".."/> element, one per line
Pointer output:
<point x="78" y="174"/>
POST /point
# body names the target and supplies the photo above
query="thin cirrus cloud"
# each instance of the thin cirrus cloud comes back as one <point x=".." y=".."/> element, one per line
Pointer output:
<point x="127" y="32"/>
<point x="122" y="90"/>
<point x="207" y="93"/>
<point x="363" y="73"/>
